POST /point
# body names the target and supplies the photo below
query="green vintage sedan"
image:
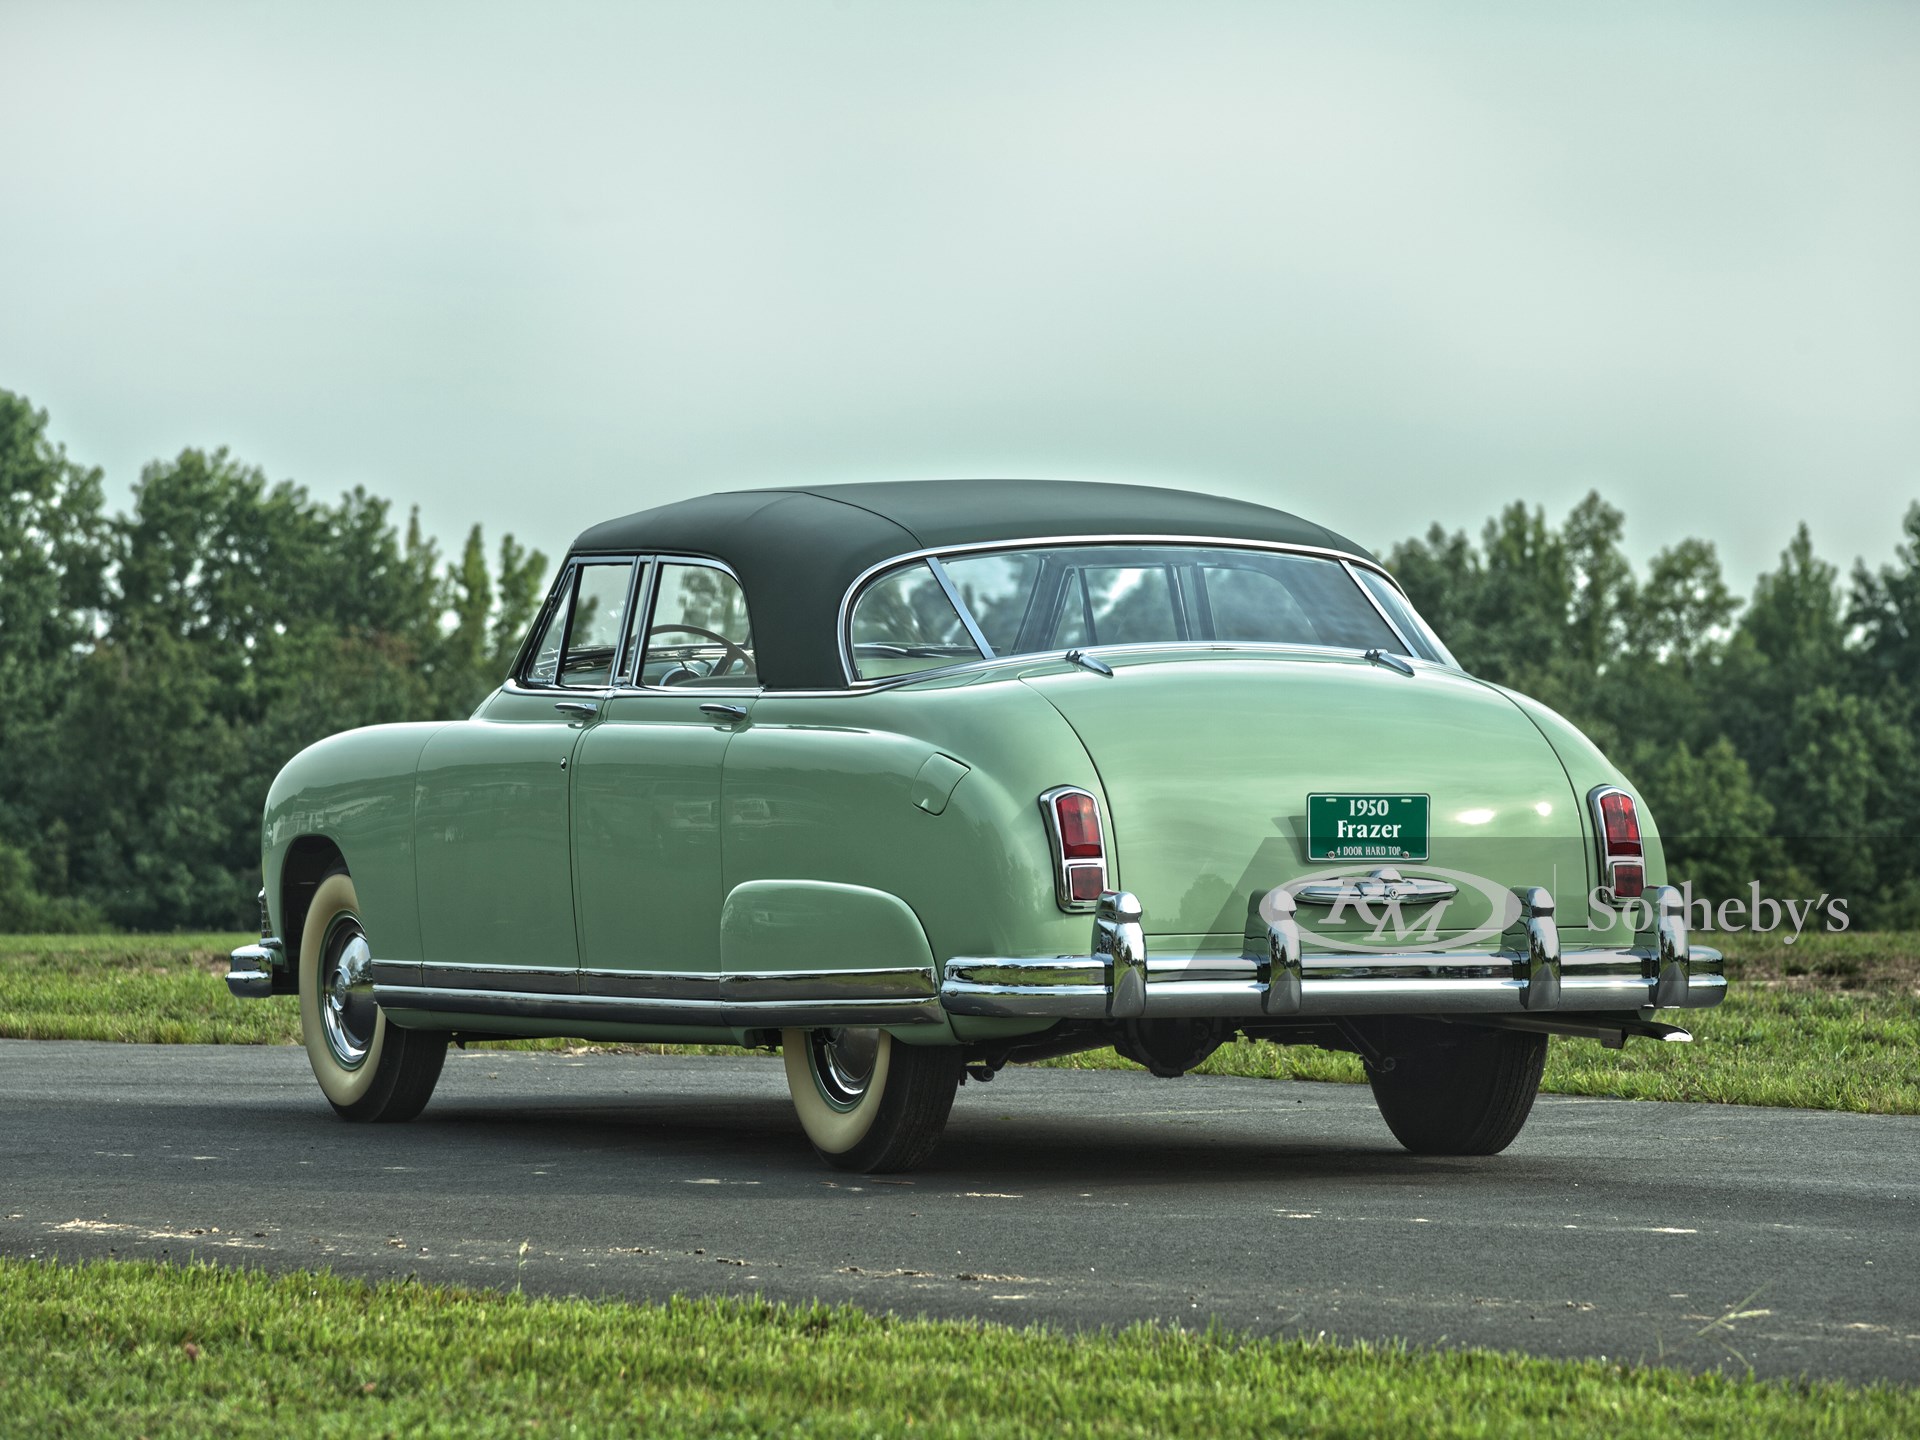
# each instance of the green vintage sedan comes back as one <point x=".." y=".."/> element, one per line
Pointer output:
<point x="914" y="781"/>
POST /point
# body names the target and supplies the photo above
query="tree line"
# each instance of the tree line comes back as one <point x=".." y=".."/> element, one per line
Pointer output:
<point x="1774" y="737"/>
<point x="158" y="667"/>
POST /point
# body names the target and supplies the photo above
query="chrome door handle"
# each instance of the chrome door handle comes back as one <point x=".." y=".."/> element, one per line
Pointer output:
<point x="578" y="709"/>
<point x="727" y="714"/>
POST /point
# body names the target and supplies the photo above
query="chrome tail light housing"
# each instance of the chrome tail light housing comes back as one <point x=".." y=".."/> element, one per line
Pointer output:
<point x="1077" y="838"/>
<point x="1623" y="861"/>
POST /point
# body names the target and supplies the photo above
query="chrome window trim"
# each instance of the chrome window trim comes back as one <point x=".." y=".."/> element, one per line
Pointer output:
<point x="1406" y="645"/>
<point x="960" y="608"/>
<point x="639" y="605"/>
<point x="1054" y="657"/>
<point x="562" y="592"/>
<point x="624" y="682"/>
<point x="967" y="622"/>
<point x="1036" y="542"/>
<point x="1429" y="637"/>
<point x="631" y="684"/>
<point x="559" y="593"/>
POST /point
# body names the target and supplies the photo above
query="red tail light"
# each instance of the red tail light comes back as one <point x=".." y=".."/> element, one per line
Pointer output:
<point x="1079" y="849"/>
<point x="1079" y="825"/>
<point x="1623" y="866"/>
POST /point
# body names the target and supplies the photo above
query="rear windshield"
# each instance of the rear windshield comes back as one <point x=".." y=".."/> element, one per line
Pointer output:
<point x="1023" y="602"/>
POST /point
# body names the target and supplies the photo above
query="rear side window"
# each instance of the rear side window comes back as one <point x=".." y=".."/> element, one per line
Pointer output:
<point x="999" y="590"/>
<point x="904" y="622"/>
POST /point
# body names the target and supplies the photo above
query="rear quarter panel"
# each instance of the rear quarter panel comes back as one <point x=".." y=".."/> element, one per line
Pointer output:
<point x="824" y="788"/>
<point x="1587" y="767"/>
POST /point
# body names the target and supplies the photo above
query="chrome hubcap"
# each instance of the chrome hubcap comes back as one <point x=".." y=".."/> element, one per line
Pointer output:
<point x="347" y="1012"/>
<point x="843" y="1062"/>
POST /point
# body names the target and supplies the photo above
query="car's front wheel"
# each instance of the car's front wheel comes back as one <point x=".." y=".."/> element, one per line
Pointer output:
<point x="1458" y="1089"/>
<point x="867" y="1102"/>
<point x="367" y="1069"/>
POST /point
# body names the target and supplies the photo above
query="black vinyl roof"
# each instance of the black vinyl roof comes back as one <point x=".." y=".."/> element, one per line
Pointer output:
<point x="797" y="549"/>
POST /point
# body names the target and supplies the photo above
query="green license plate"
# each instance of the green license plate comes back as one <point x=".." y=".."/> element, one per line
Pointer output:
<point x="1367" y="827"/>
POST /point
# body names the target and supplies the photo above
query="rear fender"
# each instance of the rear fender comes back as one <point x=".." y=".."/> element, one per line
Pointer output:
<point x="810" y="939"/>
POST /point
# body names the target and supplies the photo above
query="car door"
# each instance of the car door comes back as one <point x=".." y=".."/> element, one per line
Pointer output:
<point x="493" y="841"/>
<point x="646" y="793"/>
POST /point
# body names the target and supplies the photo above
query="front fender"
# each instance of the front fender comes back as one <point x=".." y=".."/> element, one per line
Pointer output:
<point x="354" y="789"/>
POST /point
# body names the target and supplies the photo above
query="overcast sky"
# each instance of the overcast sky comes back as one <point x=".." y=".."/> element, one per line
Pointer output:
<point x="538" y="265"/>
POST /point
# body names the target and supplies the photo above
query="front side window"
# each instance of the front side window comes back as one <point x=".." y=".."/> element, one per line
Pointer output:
<point x="579" y="643"/>
<point x="1054" y="598"/>
<point x="698" y="633"/>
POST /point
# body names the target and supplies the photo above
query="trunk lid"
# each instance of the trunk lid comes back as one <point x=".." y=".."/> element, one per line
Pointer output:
<point x="1207" y="761"/>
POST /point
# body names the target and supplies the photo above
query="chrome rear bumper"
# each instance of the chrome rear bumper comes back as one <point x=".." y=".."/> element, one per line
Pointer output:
<point x="1527" y="974"/>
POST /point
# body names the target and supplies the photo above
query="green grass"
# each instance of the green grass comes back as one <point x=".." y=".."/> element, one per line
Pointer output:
<point x="146" y="989"/>
<point x="1832" y="1023"/>
<point x="164" y="989"/>
<point x="124" y="1349"/>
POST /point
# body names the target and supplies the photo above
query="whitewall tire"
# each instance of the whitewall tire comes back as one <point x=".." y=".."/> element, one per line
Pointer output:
<point x="868" y="1102"/>
<point x="367" y="1068"/>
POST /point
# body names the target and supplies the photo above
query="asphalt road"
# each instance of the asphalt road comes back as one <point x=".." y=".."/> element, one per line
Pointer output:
<point x="1699" y="1235"/>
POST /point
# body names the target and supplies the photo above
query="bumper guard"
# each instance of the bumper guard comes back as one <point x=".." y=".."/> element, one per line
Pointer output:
<point x="251" y="968"/>
<point x="1527" y="975"/>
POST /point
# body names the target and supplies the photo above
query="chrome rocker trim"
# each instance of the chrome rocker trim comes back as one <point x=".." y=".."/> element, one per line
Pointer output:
<point x="897" y="996"/>
<point x="1527" y="975"/>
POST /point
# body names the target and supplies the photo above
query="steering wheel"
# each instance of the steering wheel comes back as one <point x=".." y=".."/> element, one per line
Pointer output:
<point x="734" y="652"/>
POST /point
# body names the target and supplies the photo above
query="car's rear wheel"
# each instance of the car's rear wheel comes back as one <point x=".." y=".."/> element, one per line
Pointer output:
<point x="867" y="1102"/>
<point x="367" y="1068"/>
<point x="1458" y="1089"/>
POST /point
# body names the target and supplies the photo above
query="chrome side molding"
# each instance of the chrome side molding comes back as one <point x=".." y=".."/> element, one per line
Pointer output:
<point x="633" y="1010"/>
<point x="897" y="995"/>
